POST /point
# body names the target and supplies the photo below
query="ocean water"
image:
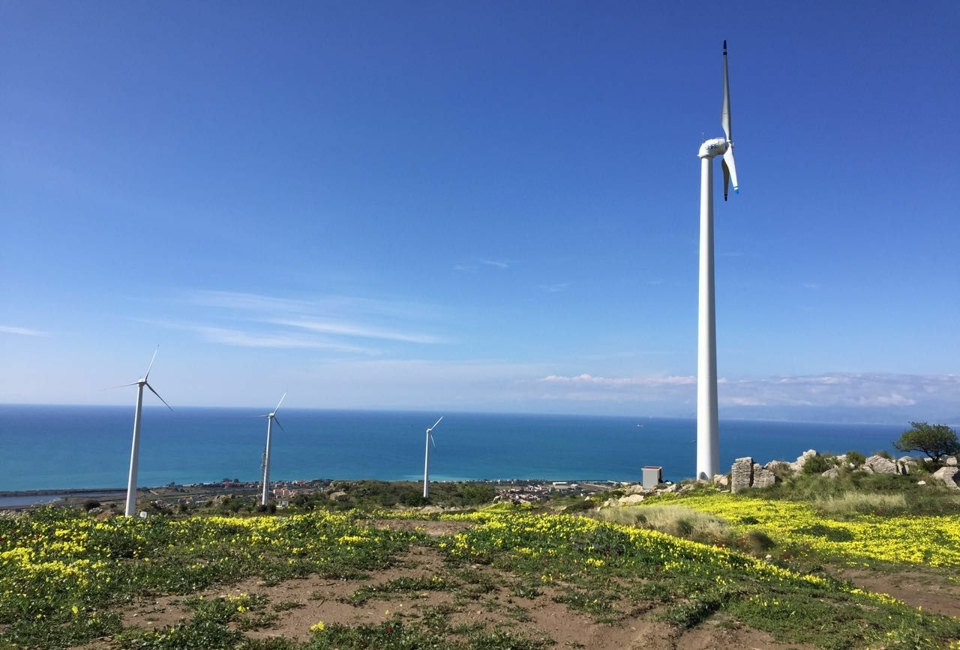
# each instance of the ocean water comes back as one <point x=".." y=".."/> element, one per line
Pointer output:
<point x="87" y="447"/>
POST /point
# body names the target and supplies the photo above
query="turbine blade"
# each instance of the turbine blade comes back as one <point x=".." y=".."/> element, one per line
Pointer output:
<point x="277" y="422"/>
<point x="432" y="441"/>
<point x="279" y="403"/>
<point x="729" y="168"/>
<point x="436" y="423"/>
<point x="725" y="113"/>
<point x="152" y="359"/>
<point x="726" y="178"/>
<point x="158" y="395"/>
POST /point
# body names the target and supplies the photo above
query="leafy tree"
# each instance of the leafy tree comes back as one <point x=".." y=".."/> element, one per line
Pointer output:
<point x="935" y="440"/>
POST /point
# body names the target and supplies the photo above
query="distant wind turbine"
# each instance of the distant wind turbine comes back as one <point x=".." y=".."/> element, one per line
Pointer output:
<point x="708" y="462"/>
<point x="131" y="506"/>
<point x="271" y="418"/>
<point x="426" y="460"/>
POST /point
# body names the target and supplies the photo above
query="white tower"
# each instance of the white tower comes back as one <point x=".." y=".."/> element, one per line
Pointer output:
<point x="708" y="462"/>
<point x="265" y="484"/>
<point x="426" y="459"/>
<point x="131" y="505"/>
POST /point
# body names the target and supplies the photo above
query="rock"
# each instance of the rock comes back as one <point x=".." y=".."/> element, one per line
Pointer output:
<point x="949" y="476"/>
<point x="802" y="459"/>
<point x="833" y="472"/>
<point x="763" y="477"/>
<point x="774" y="465"/>
<point x="951" y="461"/>
<point x="741" y="474"/>
<point x="721" y="480"/>
<point x="921" y="482"/>
<point x="907" y="464"/>
<point x="630" y="500"/>
<point x="635" y="488"/>
<point x="881" y="465"/>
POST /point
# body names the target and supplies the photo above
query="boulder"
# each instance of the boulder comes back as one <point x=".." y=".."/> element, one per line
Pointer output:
<point x="721" y="480"/>
<point x="774" y="465"/>
<point x="741" y="474"/>
<point x="833" y="472"/>
<point x="951" y="461"/>
<point x="906" y="465"/>
<point x="880" y="465"/>
<point x="630" y="499"/>
<point x="949" y="476"/>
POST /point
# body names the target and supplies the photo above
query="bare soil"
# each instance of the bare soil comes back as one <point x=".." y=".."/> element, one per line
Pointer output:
<point x="490" y="602"/>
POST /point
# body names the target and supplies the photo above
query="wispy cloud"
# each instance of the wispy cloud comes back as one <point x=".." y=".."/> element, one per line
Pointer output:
<point x="591" y="380"/>
<point x="348" y="329"/>
<point x="21" y="331"/>
<point x="498" y="264"/>
<point x="555" y="288"/>
<point x="325" y="322"/>
<point x="237" y="338"/>
<point x="877" y="391"/>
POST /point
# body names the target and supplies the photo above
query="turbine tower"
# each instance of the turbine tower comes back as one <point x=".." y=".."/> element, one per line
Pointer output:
<point x="271" y="417"/>
<point x="426" y="460"/>
<point x="708" y="462"/>
<point x="131" y="506"/>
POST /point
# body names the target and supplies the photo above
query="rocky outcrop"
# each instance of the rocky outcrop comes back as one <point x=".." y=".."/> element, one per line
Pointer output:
<point x="907" y="465"/>
<point x="802" y="459"/>
<point x="833" y="472"/>
<point x="949" y="475"/>
<point x="741" y="474"/>
<point x="951" y="461"/>
<point x="877" y="464"/>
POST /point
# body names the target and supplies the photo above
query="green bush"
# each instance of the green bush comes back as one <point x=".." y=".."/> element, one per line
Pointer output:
<point x="817" y="465"/>
<point x="855" y="458"/>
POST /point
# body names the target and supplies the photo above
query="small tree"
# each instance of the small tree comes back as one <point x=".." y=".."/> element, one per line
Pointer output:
<point x="935" y="440"/>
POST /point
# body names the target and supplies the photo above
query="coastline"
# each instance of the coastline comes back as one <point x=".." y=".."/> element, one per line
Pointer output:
<point x="24" y="499"/>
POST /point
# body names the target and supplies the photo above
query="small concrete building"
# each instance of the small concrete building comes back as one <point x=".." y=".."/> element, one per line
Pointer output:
<point x="652" y="476"/>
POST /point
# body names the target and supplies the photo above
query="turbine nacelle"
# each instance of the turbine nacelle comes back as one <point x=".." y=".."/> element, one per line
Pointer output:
<point x="714" y="147"/>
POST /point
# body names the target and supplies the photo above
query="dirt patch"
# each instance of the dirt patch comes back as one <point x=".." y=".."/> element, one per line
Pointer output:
<point x="431" y="528"/>
<point x="920" y="587"/>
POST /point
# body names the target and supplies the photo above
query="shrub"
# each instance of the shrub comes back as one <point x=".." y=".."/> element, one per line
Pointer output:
<point x="817" y="465"/>
<point x="855" y="458"/>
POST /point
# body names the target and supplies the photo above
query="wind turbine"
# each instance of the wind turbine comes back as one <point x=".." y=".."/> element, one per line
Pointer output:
<point x="271" y="418"/>
<point x="131" y="506"/>
<point x="708" y="461"/>
<point x="426" y="459"/>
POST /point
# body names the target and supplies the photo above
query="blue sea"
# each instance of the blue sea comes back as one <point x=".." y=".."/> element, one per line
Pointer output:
<point x="88" y="447"/>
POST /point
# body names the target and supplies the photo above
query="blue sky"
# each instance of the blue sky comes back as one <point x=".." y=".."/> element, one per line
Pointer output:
<point x="479" y="206"/>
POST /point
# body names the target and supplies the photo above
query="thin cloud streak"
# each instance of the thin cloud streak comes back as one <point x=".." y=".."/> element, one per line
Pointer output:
<point x="21" y="331"/>
<point x="247" y="340"/>
<point x="347" y="329"/>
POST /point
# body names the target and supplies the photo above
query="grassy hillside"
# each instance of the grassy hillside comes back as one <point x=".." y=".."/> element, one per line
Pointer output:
<point x="499" y="577"/>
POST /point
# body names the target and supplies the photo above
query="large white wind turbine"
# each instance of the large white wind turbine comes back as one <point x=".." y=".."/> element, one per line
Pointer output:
<point x="708" y="462"/>
<point x="271" y="418"/>
<point x="426" y="459"/>
<point x="131" y="506"/>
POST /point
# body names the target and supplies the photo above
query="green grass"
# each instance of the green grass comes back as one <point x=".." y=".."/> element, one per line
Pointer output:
<point x="65" y="578"/>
